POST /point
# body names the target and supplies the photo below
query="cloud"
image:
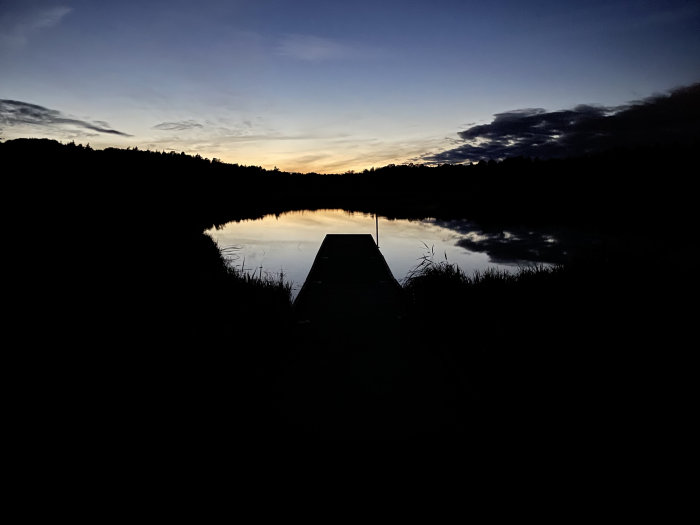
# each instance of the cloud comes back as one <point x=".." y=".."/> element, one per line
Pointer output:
<point x="178" y="126"/>
<point x="311" y="48"/>
<point x="17" y="27"/>
<point x="674" y="117"/>
<point x="17" y="113"/>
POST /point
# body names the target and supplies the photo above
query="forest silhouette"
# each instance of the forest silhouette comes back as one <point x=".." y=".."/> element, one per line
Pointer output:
<point x="161" y="331"/>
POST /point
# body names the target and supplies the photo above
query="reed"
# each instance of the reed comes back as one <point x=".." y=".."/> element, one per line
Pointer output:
<point x="254" y="280"/>
<point x="441" y="274"/>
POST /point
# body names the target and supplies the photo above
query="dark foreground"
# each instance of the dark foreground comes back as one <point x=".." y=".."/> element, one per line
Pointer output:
<point x="563" y="356"/>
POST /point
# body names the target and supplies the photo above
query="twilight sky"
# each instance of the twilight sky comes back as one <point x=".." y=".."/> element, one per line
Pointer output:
<point x="324" y="85"/>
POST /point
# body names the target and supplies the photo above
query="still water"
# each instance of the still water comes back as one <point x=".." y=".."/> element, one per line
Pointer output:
<point x="287" y="244"/>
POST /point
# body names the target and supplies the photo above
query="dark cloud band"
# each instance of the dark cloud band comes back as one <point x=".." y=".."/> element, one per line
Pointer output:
<point x="15" y="112"/>
<point x="674" y="118"/>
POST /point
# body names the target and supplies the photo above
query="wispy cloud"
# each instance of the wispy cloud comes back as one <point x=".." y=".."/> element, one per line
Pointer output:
<point x="18" y="113"/>
<point x="311" y="48"/>
<point x="180" y="125"/>
<point x="17" y="27"/>
<point x="584" y="129"/>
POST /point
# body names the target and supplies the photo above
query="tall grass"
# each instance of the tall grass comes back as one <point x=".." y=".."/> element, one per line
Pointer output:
<point x="433" y="277"/>
<point x="255" y="279"/>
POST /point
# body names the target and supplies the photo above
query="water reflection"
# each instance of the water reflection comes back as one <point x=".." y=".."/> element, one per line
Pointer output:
<point x="287" y="243"/>
<point x="521" y="245"/>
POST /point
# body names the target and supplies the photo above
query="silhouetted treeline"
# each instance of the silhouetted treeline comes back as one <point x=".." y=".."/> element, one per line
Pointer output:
<point x="618" y="188"/>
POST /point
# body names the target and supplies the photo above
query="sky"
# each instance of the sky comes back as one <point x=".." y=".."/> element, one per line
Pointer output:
<point x="326" y="86"/>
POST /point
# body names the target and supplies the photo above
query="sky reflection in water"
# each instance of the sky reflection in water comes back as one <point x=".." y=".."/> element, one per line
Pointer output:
<point x="289" y="242"/>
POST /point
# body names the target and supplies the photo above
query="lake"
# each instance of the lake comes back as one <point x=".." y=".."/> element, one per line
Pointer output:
<point x="287" y="243"/>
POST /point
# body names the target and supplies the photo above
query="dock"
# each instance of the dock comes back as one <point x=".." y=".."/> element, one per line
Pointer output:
<point x="349" y="281"/>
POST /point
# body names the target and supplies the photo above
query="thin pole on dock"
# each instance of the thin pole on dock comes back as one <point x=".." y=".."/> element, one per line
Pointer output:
<point x="376" y="221"/>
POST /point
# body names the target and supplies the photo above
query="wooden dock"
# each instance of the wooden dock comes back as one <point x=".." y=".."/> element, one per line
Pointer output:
<point x="349" y="281"/>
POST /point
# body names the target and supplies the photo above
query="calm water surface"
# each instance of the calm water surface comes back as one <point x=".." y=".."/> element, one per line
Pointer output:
<point x="289" y="242"/>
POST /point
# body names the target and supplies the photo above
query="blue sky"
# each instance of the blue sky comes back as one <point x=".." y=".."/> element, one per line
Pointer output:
<point x="322" y="85"/>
